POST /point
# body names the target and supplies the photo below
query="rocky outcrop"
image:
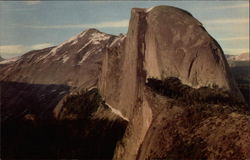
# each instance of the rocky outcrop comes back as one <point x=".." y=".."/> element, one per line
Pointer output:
<point x="194" y="131"/>
<point x="162" y="42"/>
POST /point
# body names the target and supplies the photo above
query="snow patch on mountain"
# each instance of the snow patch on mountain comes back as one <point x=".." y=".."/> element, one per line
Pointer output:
<point x="82" y="34"/>
<point x="241" y="57"/>
<point x="11" y="60"/>
<point x="65" y="58"/>
<point x="86" y="55"/>
<point x="117" y="112"/>
<point x="72" y="41"/>
<point x="84" y="46"/>
<point x="116" y="40"/>
<point x="149" y="9"/>
<point x="96" y="38"/>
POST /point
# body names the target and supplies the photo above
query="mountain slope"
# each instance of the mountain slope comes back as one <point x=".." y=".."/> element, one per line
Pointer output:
<point x="76" y="63"/>
<point x="1" y="59"/>
<point x="166" y="81"/>
<point x="78" y="57"/>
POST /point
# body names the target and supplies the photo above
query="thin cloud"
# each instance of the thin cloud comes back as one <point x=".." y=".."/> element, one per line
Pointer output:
<point x="233" y="38"/>
<point x="9" y="51"/>
<point x="111" y="24"/>
<point x="227" y="21"/>
<point x="32" y="2"/>
<point x="41" y="46"/>
<point x="231" y="6"/>
<point x="236" y="50"/>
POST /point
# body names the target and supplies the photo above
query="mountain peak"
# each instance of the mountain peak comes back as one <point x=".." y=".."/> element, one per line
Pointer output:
<point x="91" y="30"/>
<point x="162" y="8"/>
<point x="79" y="42"/>
<point x="183" y="49"/>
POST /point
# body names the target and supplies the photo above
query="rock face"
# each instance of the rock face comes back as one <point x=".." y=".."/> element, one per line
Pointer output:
<point x="161" y="42"/>
<point x="187" y="52"/>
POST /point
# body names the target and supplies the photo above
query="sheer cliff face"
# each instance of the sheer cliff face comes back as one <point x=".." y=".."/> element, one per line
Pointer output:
<point x="161" y="42"/>
<point x="182" y="48"/>
<point x="167" y="42"/>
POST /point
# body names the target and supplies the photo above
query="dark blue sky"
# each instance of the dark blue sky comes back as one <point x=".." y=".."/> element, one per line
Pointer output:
<point x="32" y="25"/>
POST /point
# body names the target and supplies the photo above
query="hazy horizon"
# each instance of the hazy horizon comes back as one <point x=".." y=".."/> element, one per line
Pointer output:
<point x="30" y="25"/>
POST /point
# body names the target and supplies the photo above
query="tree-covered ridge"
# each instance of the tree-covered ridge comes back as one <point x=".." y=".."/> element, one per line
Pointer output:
<point x="81" y="104"/>
<point x="76" y="135"/>
<point x="197" y="123"/>
<point x="172" y="87"/>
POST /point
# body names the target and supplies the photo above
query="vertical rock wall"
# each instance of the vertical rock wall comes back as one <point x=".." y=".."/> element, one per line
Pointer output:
<point x="161" y="42"/>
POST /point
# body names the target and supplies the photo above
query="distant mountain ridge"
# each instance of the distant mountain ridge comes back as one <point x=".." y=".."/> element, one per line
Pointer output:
<point x="240" y="68"/>
<point x="241" y="57"/>
<point x="81" y="54"/>
<point x="238" y="60"/>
